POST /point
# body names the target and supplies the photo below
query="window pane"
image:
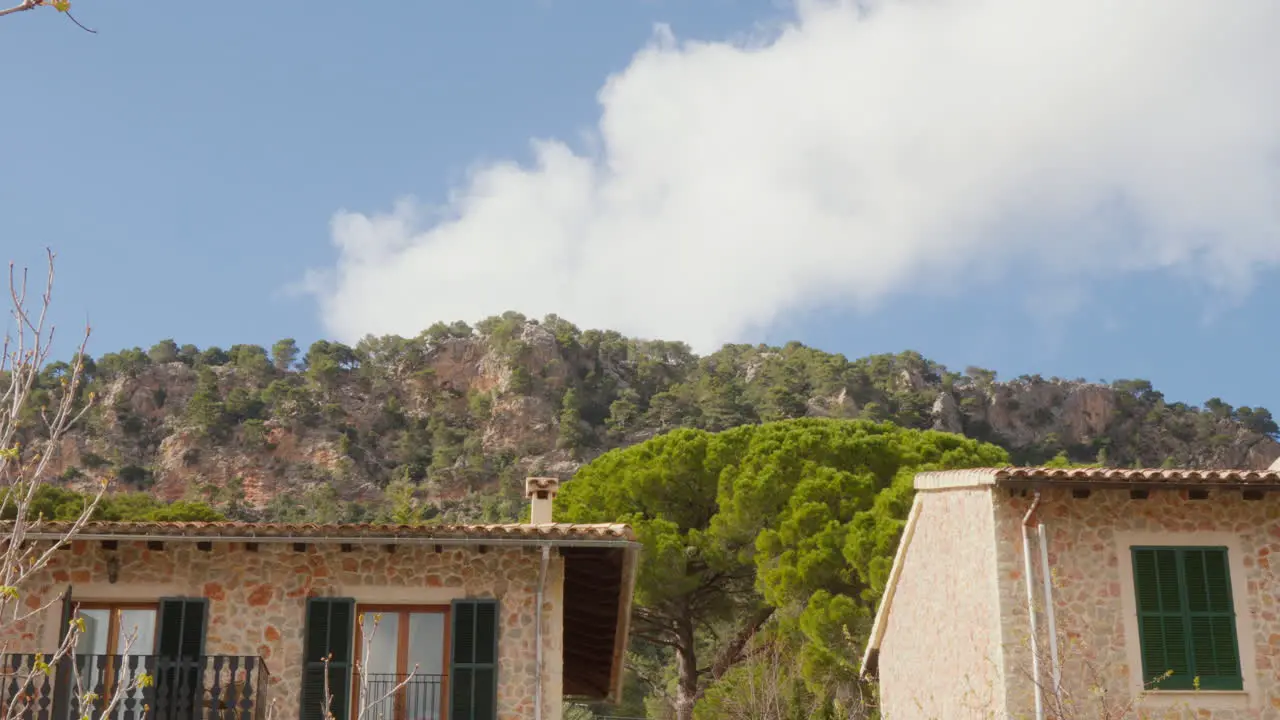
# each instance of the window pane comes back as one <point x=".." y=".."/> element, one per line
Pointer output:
<point x="141" y="622"/>
<point x="97" y="624"/>
<point x="381" y="642"/>
<point x="426" y="643"/>
<point x="379" y="650"/>
<point x="426" y="652"/>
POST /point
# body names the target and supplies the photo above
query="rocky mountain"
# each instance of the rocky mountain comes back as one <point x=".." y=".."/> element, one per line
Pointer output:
<point x="450" y="421"/>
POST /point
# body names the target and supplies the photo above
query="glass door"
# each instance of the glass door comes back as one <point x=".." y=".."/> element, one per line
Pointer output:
<point x="112" y="651"/>
<point x="402" y="654"/>
<point x="380" y="667"/>
<point x="424" y="657"/>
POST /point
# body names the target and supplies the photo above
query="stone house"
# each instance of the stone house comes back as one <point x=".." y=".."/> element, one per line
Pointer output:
<point x="233" y="620"/>
<point x="1053" y="593"/>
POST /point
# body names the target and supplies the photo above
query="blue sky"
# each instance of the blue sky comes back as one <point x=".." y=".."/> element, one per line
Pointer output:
<point x="187" y="163"/>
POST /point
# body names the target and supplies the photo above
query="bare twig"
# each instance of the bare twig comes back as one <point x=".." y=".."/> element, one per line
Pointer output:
<point x="36" y="411"/>
<point x="80" y="25"/>
<point x="24" y="5"/>
<point x="62" y="6"/>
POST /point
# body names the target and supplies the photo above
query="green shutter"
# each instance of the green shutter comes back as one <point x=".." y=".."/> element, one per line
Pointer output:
<point x="329" y="633"/>
<point x="1186" y="619"/>
<point x="1212" y="619"/>
<point x="473" y="664"/>
<point x="182" y="628"/>
<point x="179" y="669"/>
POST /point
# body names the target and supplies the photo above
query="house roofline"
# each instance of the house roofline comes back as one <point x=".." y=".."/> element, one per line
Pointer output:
<point x="527" y="535"/>
<point x="532" y="541"/>
<point x="1099" y="477"/>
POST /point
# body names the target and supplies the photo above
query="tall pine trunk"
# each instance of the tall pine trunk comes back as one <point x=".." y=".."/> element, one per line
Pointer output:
<point x="687" y="671"/>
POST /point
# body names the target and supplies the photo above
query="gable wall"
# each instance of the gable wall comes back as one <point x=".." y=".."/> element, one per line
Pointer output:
<point x="940" y="657"/>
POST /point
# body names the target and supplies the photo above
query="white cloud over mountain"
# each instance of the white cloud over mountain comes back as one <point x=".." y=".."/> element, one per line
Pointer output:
<point x="853" y="155"/>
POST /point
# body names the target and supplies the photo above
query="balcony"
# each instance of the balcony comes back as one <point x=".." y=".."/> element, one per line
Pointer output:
<point x="419" y="697"/>
<point x="213" y="687"/>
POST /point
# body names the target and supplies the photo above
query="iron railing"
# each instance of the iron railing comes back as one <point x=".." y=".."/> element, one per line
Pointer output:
<point x="418" y="697"/>
<point x="212" y="687"/>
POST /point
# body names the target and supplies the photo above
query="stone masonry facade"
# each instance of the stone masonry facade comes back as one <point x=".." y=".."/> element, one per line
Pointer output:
<point x="1088" y="542"/>
<point x="257" y="600"/>
<point x="940" y="658"/>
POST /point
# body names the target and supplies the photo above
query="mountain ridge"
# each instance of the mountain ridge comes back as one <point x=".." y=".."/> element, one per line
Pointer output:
<point x="447" y="424"/>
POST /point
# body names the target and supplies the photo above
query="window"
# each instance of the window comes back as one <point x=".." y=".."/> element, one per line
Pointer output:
<point x="116" y="638"/>
<point x="467" y="631"/>
<point x="121" y="629"/>
<point x="1186" y="617"/>
<point x="393" y="642"/>
<point x="164" y="640"/>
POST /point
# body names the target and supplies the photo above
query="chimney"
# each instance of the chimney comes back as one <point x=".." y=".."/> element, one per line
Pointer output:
<point x="541" y="491"/>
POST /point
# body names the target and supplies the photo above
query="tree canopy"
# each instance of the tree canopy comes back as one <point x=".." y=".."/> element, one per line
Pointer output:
<point x="52" y="502"/>
<point x="792" y="523"/>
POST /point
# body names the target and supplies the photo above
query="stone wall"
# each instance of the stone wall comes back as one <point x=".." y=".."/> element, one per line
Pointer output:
<point x="1089" y="540"/>
<point x="257" y="600"/>
<point x="940" y="656"/>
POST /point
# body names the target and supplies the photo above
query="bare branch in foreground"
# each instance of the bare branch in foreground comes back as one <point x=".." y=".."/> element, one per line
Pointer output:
<point x="62" y="6"/>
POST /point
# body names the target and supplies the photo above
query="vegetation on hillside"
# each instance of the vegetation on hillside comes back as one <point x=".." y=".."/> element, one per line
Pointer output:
<point x="446" y="424"/>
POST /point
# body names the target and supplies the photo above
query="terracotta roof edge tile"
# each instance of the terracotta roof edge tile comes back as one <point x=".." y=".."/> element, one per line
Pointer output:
<point x="1165" y="476"/>
<point x="337" y="532"/>
<point x="1172" y="477"/>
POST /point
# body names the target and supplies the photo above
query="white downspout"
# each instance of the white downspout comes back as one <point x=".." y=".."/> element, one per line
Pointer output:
<point x="1031" y="606"/>
<point x="1046" y="576"/>
<point x="537" y="633"/>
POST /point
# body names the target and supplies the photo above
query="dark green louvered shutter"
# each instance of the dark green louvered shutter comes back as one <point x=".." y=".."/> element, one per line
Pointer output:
<point x="180" y="646"/>
<point x="329" y="633"/>
<point x="473" y="664"/>
<point x="1215" y="655"/>
<point x="1186" y="619"/>
<point x="182" y="628"/>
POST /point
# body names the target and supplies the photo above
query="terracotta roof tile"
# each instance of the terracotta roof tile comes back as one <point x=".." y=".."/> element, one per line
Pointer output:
<point x="511" y="532"/>
<point x="1144" y="476"/>
<point x="1111" y="477"/>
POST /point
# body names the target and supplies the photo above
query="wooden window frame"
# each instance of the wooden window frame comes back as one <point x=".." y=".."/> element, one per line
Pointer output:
<point x="1228" y="683"/>
<point x="402" y="646"/>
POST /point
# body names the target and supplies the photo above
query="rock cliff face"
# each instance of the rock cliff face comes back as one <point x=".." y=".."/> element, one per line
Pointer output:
<point x="451" y="420"/>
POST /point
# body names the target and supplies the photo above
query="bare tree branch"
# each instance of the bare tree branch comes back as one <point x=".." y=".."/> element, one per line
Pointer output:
<point x="24" y="5"/>
<point x="62" y="6"/>
<point x="36" y="410"/>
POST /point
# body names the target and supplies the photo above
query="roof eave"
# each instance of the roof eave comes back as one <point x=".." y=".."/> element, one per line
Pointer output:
<point x="626" y="593"/>
<point x="1083" y="483"/>
<point x="527" y="541"/>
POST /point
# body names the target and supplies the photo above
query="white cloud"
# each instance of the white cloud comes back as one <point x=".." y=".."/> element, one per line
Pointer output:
<point x="853" y="155"/>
